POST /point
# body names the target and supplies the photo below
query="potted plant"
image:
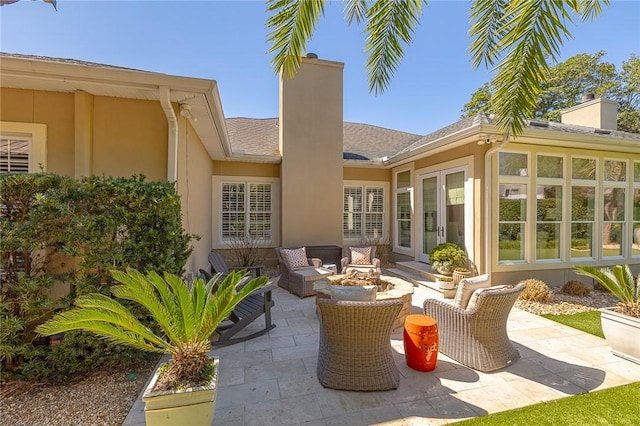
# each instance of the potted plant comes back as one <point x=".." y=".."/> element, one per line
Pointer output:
<point x="445" y="283"/>
<point x="460" y="273"/>
<point x="445" y="257"/>
<point x="182" y="391"/>
<point x="620" y="324"/>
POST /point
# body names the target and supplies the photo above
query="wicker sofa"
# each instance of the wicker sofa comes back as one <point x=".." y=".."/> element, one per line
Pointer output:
<point x="354" y="352"/>
<point x="476" y="336"/>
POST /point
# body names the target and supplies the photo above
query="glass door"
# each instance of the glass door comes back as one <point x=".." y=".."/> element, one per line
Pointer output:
<point x="443" y="209"/>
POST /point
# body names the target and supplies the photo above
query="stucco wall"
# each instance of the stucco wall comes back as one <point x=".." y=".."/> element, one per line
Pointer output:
<point x="53" y="109"/>
<point x="194" y="185"/>
<point x="129" y="137"/>
<point x="311" y="131"/>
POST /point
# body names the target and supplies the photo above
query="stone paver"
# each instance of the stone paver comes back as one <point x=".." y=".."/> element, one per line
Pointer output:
<point x="271" y="380"/>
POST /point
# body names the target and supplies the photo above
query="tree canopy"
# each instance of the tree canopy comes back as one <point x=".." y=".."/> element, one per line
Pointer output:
<point x="520" y="38"/>
<point x="565" y="83"/>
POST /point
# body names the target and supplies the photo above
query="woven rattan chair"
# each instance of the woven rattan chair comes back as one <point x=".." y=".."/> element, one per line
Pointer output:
<point x="346" y="263"/>
<point x="477" y="336"/>
<point x="355" y="345"/>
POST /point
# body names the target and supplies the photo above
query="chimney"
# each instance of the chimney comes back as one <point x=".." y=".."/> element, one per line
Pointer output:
<point x="598" y="113"/>
<point x="311" y="172"/>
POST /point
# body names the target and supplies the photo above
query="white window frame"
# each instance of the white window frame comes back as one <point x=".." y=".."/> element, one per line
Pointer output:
<point x="635" y="186"/>
<point x="218" y="182"/>
<point x="396" y="191"/>
<point x="625" y="244"/>
<point x="35" y="134"/>
<point x="363" y="186"/>
<point x="550" y="181"/>
<point x="527" y="224"/>
<point x="599" y="185"/>
<point x="596" y="227"/>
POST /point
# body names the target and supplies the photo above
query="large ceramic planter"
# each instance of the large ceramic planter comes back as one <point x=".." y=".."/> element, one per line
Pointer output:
<point x="185" y="407"/>
<point x="622" y="333"/>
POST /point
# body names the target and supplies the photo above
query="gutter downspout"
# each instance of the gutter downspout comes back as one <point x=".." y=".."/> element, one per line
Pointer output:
<point x="172" y="143"/>
<point x="487" y="203"/>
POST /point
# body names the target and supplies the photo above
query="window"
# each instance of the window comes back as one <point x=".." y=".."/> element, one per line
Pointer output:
<point x="613" y="208"/>
<point x="246" y="210"/>
<point x="549" y="189"/>
<point x="403" y="209"/>
<point x="14" y="155"/>
<point x="583" y="207"/>
<point x="363" y="212"/>
<point x="512" y="206"/>
<point x="635" y="245"/>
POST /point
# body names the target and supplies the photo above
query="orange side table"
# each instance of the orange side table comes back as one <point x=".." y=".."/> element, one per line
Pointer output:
<point x="420" y="338"/>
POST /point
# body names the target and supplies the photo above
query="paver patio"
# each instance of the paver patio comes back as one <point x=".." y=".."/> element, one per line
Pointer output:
<point x="271" y="380"/>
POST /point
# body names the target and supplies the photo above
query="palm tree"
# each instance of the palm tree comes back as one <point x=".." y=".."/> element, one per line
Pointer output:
<point x="518" y="37"/>
<point x="186" y="317"/>
<point x="620" y="282"/>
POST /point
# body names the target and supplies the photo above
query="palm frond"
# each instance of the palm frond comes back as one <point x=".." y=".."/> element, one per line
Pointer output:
<point x="140" y="289"/>
<point x="591" y="9"/>
<point x="355" y="10"/>
<point x="389" y="24"/>
<point x="292" y="26"/>
<point x="486" y="31"/>
<point x="185" y="319"/>
<point x="534" y="31"/>
<point x="102" y="315"/>
<point x="618" y="280"/>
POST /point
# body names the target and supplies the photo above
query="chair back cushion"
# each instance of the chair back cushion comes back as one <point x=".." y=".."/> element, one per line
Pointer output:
<point x="473" y="301"/>
<point x="366" y="293"/>
<point x="360" y="255"/>
<point x="296" y="258"/>
<point x="467" y="286"/>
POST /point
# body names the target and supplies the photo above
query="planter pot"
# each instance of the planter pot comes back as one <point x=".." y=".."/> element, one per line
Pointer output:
<point x="184" y="407"/>
<point x="446" y="285"/>
<point x="622" y="333"/>
<point x="459" y="275"/>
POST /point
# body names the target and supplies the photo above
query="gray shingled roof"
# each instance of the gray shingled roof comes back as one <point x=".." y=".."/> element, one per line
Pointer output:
<point x="64" y="61"/>
<point x="484" y="118"/>
<point x="259" y="136"/>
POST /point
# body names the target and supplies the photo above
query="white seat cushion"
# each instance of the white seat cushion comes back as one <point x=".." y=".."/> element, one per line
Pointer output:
<point x="467" y="286"/>
<point x="473" y="301"/>
<point x="366" y="293"/>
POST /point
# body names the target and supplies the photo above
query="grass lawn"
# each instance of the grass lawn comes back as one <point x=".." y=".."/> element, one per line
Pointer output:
<point x="589" y="322"/>
<point x="615" y="406"/>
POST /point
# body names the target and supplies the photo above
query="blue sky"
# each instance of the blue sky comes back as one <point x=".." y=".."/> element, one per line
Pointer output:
<point x="226" y="41"/>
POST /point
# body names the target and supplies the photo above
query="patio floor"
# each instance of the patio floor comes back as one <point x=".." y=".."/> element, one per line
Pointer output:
<point x="271" y="380"/>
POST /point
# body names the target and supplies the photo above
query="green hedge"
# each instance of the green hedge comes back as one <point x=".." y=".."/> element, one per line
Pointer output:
<point x="102" y="223"/>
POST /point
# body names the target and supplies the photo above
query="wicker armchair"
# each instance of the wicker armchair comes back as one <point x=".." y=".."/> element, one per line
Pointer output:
<point x="477" y="336"/>
<point x="355" y="345"/>
<point x="347" y="263"/>
<point x="300" y="280"/>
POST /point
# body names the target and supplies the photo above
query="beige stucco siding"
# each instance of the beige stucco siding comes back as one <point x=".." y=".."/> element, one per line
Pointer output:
<point x="236" y="168"/>
<point x="356" y="173"/>
<point x="53" y="109"/>
<point x="194" y="176"/>
<point x="129" y="136"/>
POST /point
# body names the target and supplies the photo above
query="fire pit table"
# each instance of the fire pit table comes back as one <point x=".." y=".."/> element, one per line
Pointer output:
<point x="389" y="288"/>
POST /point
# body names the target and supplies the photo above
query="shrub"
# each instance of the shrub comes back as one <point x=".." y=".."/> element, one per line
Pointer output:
<point x="576" y="288"/>
<point x="536" y="291"/>
<point x="49" y="222"/>
<point x="446" y="257"/>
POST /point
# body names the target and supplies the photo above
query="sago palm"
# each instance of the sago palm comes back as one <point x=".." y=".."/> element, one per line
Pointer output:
<point x="186" y="317"/>
<point x="519" y="37"/>
<point x="620" y="282"/>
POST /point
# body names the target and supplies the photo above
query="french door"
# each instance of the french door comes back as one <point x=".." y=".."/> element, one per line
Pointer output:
<point x="442" y="209"/>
